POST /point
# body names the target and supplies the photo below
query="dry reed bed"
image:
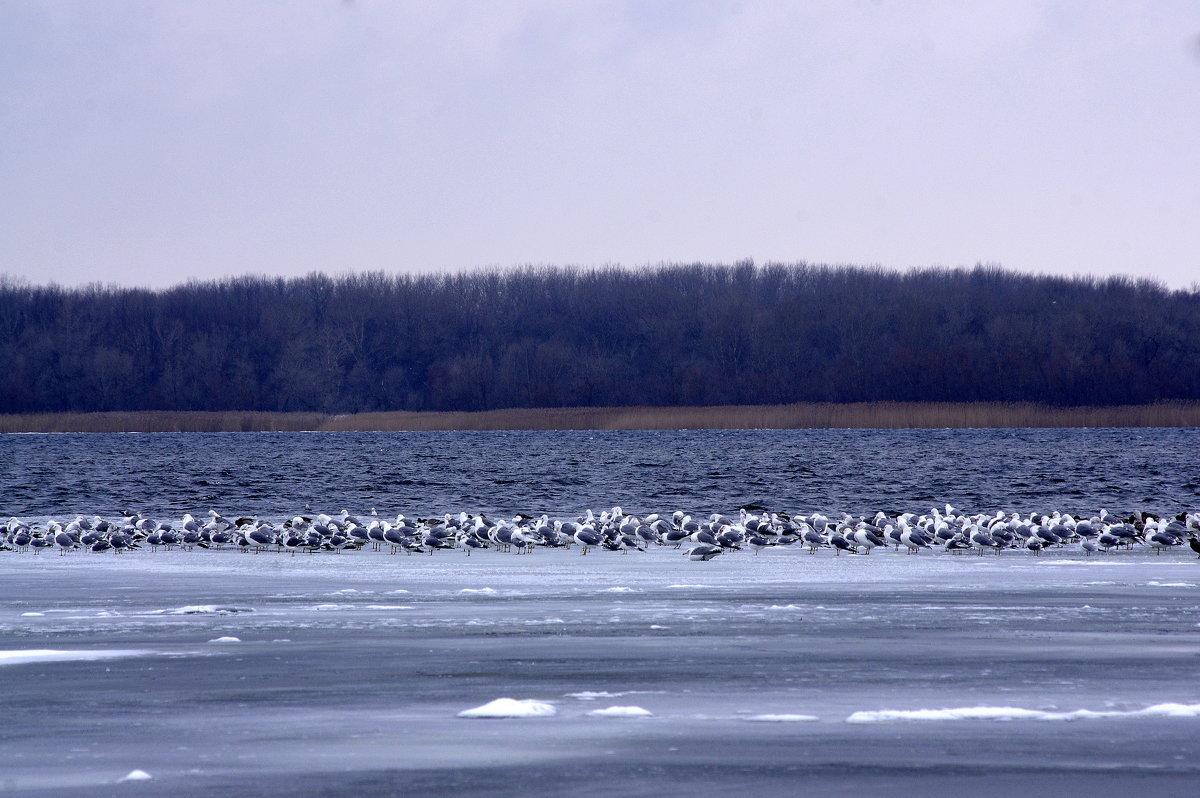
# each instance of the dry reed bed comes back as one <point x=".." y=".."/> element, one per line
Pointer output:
<point x="866" y="415"/>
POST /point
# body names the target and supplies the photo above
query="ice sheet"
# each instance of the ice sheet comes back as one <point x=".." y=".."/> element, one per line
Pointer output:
<point x="774" y="652"/>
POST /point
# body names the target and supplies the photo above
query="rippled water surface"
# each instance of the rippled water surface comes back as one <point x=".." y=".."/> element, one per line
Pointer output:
<point x="562" y="473"/>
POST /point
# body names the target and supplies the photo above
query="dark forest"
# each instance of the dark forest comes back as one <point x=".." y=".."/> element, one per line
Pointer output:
<point x="559" y="337"/>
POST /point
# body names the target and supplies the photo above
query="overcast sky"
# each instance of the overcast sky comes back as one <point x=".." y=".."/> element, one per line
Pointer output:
<point x="147" y="143"/>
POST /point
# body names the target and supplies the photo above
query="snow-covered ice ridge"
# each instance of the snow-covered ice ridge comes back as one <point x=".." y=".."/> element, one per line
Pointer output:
<point x="700" y="538"/>
<point x="1018" y="713"/>
<point x="533" y="708"/>
<point x="27" y="655"/>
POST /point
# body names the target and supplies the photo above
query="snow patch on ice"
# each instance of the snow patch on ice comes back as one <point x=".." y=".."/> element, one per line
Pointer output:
<point x="136" y="775"/>
<point x="202" y="609"/>
<point x="1171" y="584"/>
<point x="33" y="615"/>
<point x="226" y="640"/>
<point x="620" y="712"/>
<point x="1017" y="713"/>
<point x="397" y="592"/>
<point x="510" y="708"/>
<point x="23" y="655"/>
<point x="481" y="591"/>
<point x="785" y="607"/>
<point x="618" y="590"/>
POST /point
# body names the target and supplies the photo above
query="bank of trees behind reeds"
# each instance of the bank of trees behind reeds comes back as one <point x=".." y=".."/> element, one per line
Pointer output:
<point x="549" y="337"/>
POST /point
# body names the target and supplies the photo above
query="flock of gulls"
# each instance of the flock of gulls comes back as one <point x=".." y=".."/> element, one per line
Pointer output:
<point x="615" y="531"/>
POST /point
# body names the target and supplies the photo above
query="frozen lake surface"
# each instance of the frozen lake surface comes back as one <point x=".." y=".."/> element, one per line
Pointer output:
<point x="782" y="674"/>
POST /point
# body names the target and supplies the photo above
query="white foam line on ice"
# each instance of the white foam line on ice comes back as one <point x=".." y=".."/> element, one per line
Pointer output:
<point x="592" y="695"/>
<point x="25" y="655"/>
<point x="1018" y="713"/>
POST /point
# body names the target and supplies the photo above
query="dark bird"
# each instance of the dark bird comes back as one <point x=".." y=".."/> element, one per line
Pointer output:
<point x="704" y="552"/>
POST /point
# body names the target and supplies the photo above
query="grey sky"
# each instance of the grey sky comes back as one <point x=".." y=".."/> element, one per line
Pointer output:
<point x="151" y="142"/>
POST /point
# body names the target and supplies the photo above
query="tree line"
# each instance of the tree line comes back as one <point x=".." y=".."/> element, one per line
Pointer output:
<point x="561" y="337"/>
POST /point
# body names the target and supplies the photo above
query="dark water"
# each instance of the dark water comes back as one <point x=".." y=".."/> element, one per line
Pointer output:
<point x="562" y="473"/>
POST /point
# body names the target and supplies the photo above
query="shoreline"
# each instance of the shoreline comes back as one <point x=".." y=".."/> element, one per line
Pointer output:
<point x="865" y="415"/>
